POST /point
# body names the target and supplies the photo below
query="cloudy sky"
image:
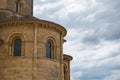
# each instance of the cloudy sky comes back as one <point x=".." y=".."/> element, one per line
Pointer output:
<point x="93" y="37"/>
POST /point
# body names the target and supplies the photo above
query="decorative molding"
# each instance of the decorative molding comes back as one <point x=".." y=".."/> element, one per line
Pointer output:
<point x="14" y="34"/>
<point x="32" y="22"/>
<point x="67" y="57"/>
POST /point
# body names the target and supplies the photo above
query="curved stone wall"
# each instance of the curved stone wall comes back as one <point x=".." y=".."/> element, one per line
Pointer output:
<point x="34" y="34"/>
<point x="33" y="63"/>
<point x="29" y="69"/>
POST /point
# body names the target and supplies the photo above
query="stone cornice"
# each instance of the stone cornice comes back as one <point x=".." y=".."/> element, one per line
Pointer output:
<point x="67" y="57"/>
<point x="35" y="22"/>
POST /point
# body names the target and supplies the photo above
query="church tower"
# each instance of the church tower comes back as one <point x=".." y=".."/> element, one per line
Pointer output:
<point x="16" y="8"/>
<point x="30" y="48"/>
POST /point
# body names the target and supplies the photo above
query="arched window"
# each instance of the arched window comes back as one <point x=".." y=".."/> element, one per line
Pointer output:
<point x="48" y="49"/>
<point x="17" y="47"/>
<point x="65" y="74"/>
<point x="17" y="7"/>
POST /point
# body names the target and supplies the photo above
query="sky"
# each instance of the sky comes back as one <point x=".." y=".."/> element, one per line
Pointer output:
<point x="93" y="35"/>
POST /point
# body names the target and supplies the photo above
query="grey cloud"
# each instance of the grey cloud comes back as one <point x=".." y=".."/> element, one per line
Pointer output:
<point x="100" y="71"/>
<point x="96" y="72"/>
<point x="109" y="16"/>
<point x="105" y="27"/>
<point x="112" y="32"/>
<point x="111" y="55"/>
<point x="107" y="32"/>
<point x="42" y="2"/>
<point x="90" y="40"/>
<point x="114" y="75"/>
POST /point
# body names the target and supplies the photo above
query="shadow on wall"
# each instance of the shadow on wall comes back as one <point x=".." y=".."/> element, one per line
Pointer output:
<point x="1" y="41"/>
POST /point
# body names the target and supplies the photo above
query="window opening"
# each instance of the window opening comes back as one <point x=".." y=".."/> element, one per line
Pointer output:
<point x="64" y="73"/>
<point x="17" y="47"/>
<point x="48" y="49"/>
<point x="17" y="7"/>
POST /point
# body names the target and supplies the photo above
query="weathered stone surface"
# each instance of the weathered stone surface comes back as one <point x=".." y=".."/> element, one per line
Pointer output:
<point x="32" y="64"/>
<point x="29" y="69"/>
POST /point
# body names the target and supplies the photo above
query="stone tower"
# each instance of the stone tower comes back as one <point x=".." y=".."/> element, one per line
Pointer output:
<point x="30" y="48"/>
<point x="16" y="8"/>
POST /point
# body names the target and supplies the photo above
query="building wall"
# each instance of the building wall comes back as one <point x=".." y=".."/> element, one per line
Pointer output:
<point x="3" y="4"/>
<point x="29" y="69"/>
<point x="25" y="6"/>
<point x="32" y="64"/>
<point x="26" y="30"/>
<point x="8" y="9"/>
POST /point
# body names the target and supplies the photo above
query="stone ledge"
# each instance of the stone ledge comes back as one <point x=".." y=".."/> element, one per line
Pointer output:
<point x="35" y="22"/>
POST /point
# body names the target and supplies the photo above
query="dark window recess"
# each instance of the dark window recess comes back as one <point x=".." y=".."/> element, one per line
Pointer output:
<point x="17" y="7"/>
<point x="64" y="73"/>
<point x="17" y="47"/>
<point x="48" y="50"/>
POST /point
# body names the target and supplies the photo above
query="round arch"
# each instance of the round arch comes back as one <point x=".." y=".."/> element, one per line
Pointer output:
<point x="11" y="38"/>
<point x="18" y="6"/>
<point x="54" y="44"/>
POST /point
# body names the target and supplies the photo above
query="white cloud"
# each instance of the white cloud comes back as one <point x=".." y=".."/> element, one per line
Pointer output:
<point x="93" y="37"/>
<point x="92" y="17"/>
<point x="73" y="8"/>
<point x="114" y="76"/>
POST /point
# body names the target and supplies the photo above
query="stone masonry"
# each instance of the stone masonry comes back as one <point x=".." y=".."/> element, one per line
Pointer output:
<point x="17" y="23"/>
